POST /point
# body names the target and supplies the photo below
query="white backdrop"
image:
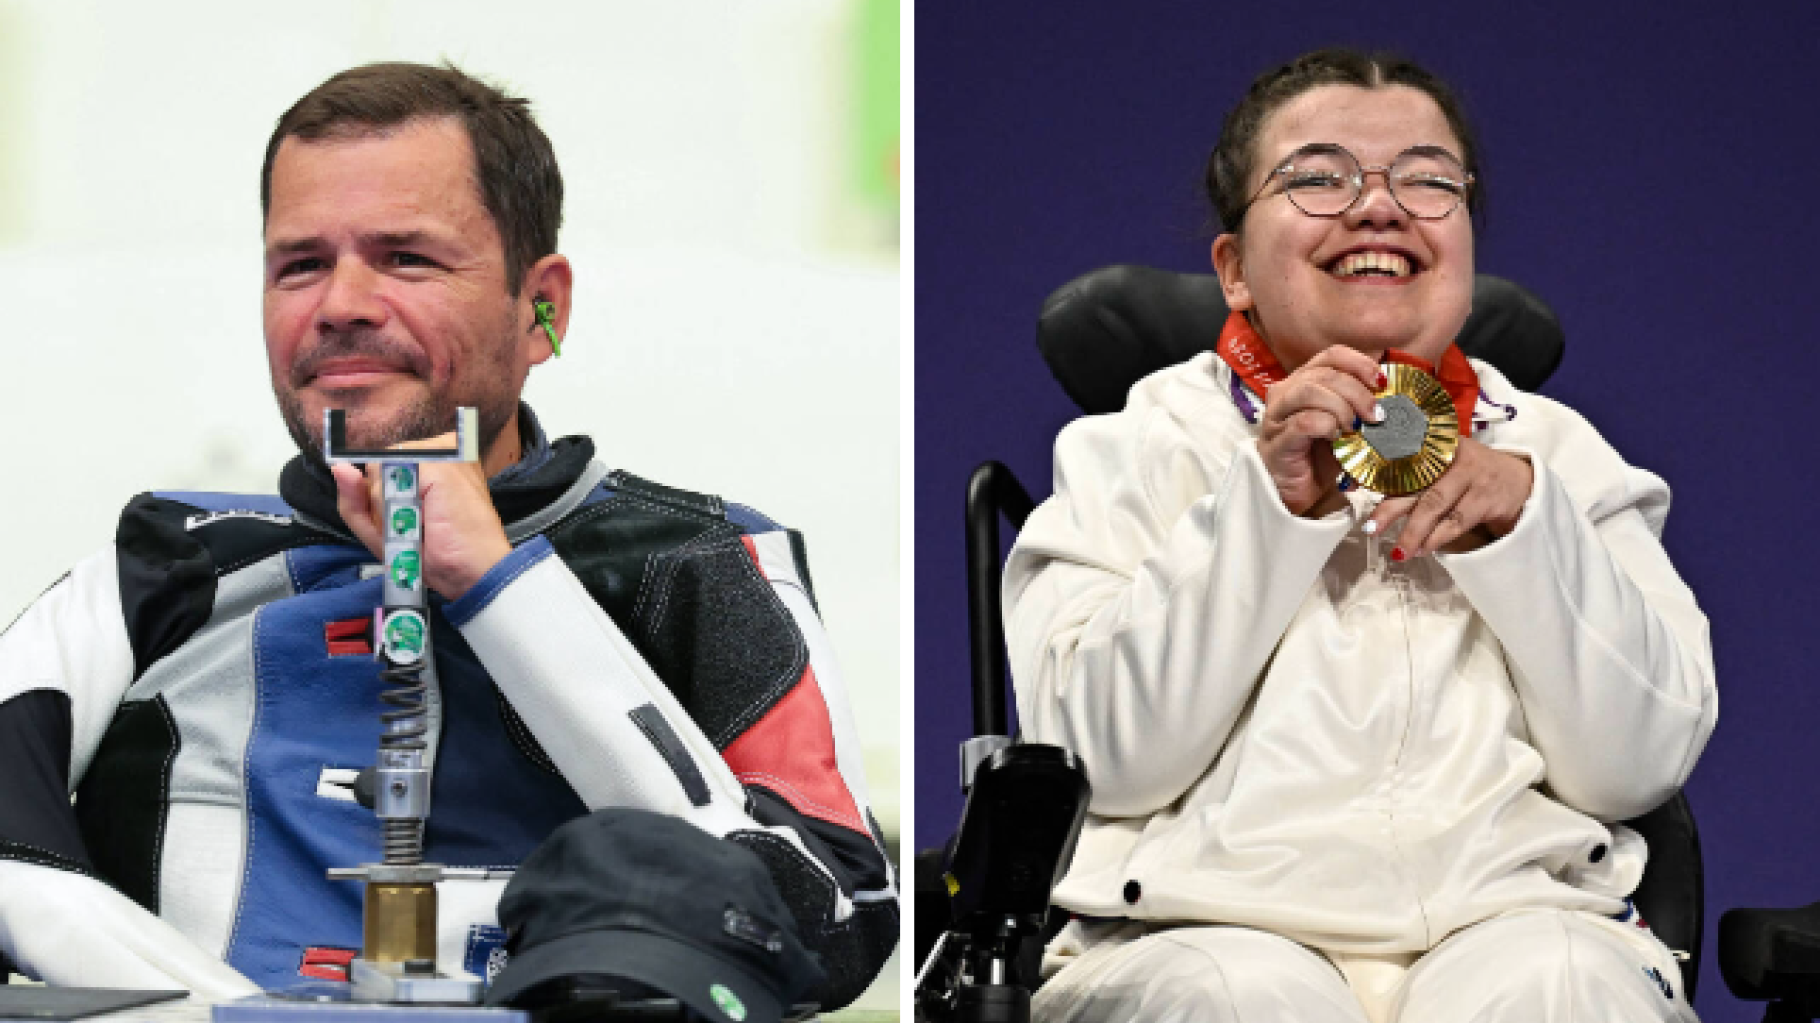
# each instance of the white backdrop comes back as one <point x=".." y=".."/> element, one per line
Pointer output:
<point x="736" y="319"/>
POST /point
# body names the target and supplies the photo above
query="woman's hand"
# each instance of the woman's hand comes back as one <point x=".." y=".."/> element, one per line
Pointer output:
<point x="1478" y="498"/>
<point x="1304" y="413"/>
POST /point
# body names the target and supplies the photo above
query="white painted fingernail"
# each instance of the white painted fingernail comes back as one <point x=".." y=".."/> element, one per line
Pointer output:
<point x="1377" y="413"/>
<point x="1371" y="527"/>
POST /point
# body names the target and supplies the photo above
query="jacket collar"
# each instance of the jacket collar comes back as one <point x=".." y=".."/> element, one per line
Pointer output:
<point x="546" y="471"/>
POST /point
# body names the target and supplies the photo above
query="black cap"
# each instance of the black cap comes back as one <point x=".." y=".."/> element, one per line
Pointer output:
<point x="653" y="900"/>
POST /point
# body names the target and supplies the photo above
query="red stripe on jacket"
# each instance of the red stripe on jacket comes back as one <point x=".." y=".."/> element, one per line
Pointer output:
<point x="791" y="750"/>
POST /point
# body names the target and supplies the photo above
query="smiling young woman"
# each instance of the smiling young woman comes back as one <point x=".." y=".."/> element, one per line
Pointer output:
<point x="1334" y="777"/>
<point x="1298" y="274"/>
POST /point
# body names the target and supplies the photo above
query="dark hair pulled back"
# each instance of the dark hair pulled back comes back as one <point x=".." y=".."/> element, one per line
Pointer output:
<point x="1234" y="157"/>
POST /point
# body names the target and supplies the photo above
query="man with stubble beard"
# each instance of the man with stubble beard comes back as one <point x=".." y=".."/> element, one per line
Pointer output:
<point x="181" y="715"/>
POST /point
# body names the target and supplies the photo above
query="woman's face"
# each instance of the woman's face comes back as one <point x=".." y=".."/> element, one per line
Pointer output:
<point x="1287" y="268"/>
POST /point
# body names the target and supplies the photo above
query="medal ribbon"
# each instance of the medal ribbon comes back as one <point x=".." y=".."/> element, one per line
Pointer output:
<point x="1245" y="352"/>
<point x="1455" y="374"/>
<point x="1242" y="349"/>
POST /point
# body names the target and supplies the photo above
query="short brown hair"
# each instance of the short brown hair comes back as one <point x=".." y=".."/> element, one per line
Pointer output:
<point x="514" y="164"/>
<point x="1229" y="167"/>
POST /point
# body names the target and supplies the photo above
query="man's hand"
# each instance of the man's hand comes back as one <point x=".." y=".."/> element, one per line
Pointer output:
<point x="1304" y="414"/>
<point x="1478" y="499"/>
<point x="462" y="535"/>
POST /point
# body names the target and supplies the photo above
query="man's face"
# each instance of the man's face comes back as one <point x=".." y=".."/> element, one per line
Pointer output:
<point x="1295" y="281"/>
<point x="385" y="290"/>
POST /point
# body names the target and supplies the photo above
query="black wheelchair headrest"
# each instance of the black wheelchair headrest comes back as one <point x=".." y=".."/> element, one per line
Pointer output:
<point x="1109" y="328"/>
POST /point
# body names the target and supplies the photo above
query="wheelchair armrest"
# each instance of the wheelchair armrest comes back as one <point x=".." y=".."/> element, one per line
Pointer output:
<point x="1767" y="954"/>
<point x="993" y="490"/>
<point x="1672" y="897"/>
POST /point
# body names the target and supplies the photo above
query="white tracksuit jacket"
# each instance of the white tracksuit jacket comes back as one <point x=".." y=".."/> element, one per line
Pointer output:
<point x="1285" y="729"/>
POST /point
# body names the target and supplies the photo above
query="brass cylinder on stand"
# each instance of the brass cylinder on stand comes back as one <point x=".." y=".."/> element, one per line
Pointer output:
<point x="399" y="922"/>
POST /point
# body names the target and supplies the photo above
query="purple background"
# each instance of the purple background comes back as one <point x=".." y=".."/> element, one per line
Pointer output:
<point x="1655" y="177"/>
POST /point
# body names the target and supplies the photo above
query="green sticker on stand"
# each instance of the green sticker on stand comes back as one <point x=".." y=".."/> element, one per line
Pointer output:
<point x="403" y="477"/>
<point x="404" y="521"/>
<point x="405" y="568"/>
<point x="404" y="632"/>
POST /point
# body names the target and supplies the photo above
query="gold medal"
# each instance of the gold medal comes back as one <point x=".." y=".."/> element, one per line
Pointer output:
<point x="1413" y="445"/>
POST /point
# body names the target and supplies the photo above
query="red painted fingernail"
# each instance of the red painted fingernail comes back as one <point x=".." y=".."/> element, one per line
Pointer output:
<point x="1396" y="554"/>
<point x="1383" y="381"/>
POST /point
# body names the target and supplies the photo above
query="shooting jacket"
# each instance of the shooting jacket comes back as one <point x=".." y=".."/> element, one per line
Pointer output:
<point x="205" y="689"/>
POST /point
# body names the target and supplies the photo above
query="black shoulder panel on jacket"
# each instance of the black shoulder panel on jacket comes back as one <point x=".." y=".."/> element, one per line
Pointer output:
<point x="167" y="578"/>
<point x="673" y="574"/>
<point x="718" y="635"/>
<point x="235" y="541"/>
<point x="610" y="546"/>
<point x="36" y="822"/>
<point x="171" y="554"/>
<point x="123" y="801"/>
<point x="687" y="500"/>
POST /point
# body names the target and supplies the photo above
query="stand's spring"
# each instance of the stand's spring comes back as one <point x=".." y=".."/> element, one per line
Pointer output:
<point x="403" y="729"/>
<point x="403" y="842"/>
<point x="404" y="726"/>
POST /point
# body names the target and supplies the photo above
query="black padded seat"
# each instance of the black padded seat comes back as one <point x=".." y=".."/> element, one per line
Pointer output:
<point x="1107" y="329"/>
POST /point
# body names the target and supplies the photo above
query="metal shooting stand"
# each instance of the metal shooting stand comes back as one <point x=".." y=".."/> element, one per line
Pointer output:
<point x="398" y="947"/>
<point x="395" y="978"/>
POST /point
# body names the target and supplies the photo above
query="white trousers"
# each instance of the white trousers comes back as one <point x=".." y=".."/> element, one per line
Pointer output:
<point x="1531" y="966"/>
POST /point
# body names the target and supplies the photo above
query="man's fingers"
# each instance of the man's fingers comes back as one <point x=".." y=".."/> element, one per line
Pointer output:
<point x="355" y="499"/>
<point x="441" y="440"/>
<point x="350" y="490"/>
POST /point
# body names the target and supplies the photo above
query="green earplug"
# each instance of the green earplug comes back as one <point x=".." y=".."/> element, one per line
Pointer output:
<point x="546" y="316"/>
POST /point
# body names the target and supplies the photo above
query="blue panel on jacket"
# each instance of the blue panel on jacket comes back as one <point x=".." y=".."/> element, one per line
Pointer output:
<point x="491" y="803"/>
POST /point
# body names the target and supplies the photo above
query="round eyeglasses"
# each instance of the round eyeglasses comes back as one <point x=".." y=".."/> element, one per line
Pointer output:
<point x="1325" y="180"/>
